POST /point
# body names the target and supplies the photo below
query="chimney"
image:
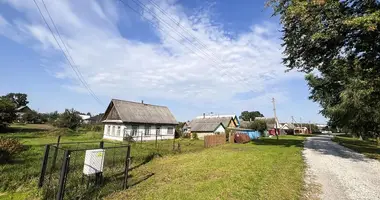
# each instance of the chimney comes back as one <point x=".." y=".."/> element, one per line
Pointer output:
<point x="204" y="115"/>
<point x="142" y="101"/>
<point x="250" y="119"/>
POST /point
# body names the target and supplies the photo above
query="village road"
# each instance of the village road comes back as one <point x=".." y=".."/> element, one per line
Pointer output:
<point x="340" y="172"/>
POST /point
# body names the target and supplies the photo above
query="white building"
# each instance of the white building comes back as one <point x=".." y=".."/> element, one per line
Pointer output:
<point x="125" y="119"/>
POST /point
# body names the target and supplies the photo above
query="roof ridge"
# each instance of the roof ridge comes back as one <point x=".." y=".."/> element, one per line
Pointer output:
<point x="138" y="103"/>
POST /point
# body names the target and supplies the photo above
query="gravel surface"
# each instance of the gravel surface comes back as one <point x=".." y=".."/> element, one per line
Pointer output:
<point x="340" y="172"/>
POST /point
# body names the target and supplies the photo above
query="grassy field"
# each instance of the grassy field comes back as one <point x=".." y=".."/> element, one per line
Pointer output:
<point x="370" y="148"/>
<point x="18" y="180"/>
<point x="264" y="169"/>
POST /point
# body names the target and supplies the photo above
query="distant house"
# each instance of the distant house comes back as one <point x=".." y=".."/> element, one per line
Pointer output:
<point x="20" y="111"/>
<point x="96" y="119"/>
<point x="272" y="124"/>
<point x="140" y="121"/>
<point x="85" y="118"/>
<point x="210" y="125"/>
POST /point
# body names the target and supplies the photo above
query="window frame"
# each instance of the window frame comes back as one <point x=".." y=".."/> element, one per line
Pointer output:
<point x="171" y="128"/>
<point x="134" y="130"/>
<point x="158" y="130"/>
<point x="147" y="131"/>
<point x="118" y="130"/>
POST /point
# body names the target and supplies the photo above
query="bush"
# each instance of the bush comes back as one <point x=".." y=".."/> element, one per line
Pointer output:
<point x="195" y="136"/>
<point x="93" y="127"/>
<point x="9" y="147"/>
<point x="69" y="119"/>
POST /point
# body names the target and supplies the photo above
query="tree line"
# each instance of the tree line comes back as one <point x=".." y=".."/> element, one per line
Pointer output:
<point x="337" y="43"/>
<point x="8" y="108"/>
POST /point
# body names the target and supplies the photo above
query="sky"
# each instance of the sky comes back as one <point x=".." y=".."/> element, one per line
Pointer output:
<point x="193" y="56"/>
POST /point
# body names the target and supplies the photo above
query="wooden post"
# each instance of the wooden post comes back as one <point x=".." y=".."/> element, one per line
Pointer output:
<point x="126" y="170"/>
<point x="43" y="167"/>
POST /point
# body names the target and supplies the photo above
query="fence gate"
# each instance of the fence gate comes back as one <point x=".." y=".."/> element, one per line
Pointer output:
<point x="83" y="170"/>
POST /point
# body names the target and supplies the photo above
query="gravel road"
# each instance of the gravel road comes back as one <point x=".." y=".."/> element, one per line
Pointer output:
<point x="340" y="172"/>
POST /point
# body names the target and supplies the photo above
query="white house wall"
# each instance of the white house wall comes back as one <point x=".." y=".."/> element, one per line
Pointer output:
<point x="220" y="129"/>
<point x="126" y="129"/>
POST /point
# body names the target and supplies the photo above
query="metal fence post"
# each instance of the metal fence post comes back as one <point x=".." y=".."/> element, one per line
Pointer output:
<point x="63" y="176"/>
<point x="55" y="153"/>
<point x="126" y="170"/>
<point x="43" y="167"/>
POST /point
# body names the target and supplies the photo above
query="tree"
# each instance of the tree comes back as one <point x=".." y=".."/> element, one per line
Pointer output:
<point x="7" y="111"/>
<point x="340" y="40"/>
<point x="258" y="125"/>
<point x="250" y="116"/>
<point x="19" y="99"/>
<point x="31" y="117"/>
<point x="68" y="119"/>
<point x="178" y="129"/>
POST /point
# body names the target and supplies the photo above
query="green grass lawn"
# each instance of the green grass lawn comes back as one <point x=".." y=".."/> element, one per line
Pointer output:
<point x="18" y="180"/>
<point x="370" y="148"/>
<point x="264" y="169"/>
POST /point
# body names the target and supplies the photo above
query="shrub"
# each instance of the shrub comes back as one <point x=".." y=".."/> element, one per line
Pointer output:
<point x="8" y="148"/>
<point x="195" y="136"/>
<point x="69" y="119"/>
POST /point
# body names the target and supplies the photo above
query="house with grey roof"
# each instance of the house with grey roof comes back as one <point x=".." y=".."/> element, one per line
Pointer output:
<point x="140" y="121"/>
<point x="210" y="125"/>
<point x="20" y="111"/>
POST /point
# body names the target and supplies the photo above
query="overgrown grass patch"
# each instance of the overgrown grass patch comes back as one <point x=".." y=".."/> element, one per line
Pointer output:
<point x="264" y="169"/>
<point x="19" y="178"/>
<point x="370" y="148"/>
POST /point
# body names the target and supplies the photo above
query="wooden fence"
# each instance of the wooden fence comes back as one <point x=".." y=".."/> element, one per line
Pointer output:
<point x="214" y="140"/>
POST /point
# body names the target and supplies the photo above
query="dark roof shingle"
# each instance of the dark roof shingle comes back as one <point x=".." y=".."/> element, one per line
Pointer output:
<point x="143" y="113"/>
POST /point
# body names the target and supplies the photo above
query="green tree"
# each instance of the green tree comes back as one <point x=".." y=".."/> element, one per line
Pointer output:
<point x="258" y="125"/>
<point x="247" y="116"/>
<point x="19" y="99"/>
<point x="68" y="119"/>
<point x="341" y="41"/>
<point x="178" y="129"/>
<point x="7" y="111"/>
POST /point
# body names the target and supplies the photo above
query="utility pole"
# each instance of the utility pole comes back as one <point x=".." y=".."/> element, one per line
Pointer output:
<point x="294" y="124"/>
<point x="301" y="124"/>
<point x="310" y="128"/>
<point x="275" y="117"/>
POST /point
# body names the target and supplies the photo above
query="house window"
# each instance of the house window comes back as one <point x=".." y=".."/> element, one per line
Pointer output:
<point x="118" y="131"/>
<point x="158" y="130"/>
<point x="108" y="130"/>
<point x="170" y="130"/>
<point x="147" y="131"/>
<point x="134" y="131"/>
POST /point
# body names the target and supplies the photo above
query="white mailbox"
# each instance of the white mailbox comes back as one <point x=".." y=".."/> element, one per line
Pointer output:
<point x="93" y="161"/>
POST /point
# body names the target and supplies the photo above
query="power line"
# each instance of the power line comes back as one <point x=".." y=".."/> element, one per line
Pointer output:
<point x="183" y="37"/>
<point x="189" y="32"/>
<point x="77" y="72"/>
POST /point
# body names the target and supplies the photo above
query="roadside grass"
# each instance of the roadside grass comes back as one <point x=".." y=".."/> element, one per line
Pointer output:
<point x="18" y="180"/>
<point x="370" y="148"/>
<point x="263" y="169"/>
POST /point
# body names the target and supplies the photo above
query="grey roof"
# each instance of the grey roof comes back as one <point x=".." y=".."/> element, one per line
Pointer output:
<point x="205" y="127"/>
<point x="134" y="112"/>
<point x="271" y="122"/>
<point x="208" y="124"/>
<point x="217" y="120"/>
<point x="244" y="124"/>
<point x="21" y="107"/>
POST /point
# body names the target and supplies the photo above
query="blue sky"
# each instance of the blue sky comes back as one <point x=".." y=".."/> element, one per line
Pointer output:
<point x="194" y="57"/>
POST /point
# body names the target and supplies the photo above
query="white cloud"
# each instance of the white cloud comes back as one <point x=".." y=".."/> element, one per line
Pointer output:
<point x="120" y="67"/>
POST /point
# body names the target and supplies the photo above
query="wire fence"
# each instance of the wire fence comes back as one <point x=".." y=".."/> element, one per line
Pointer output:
<point x="63" y="169"/>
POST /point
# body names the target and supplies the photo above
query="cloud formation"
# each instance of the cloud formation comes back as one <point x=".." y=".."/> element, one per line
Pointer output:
<point x="198" y="62"/>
